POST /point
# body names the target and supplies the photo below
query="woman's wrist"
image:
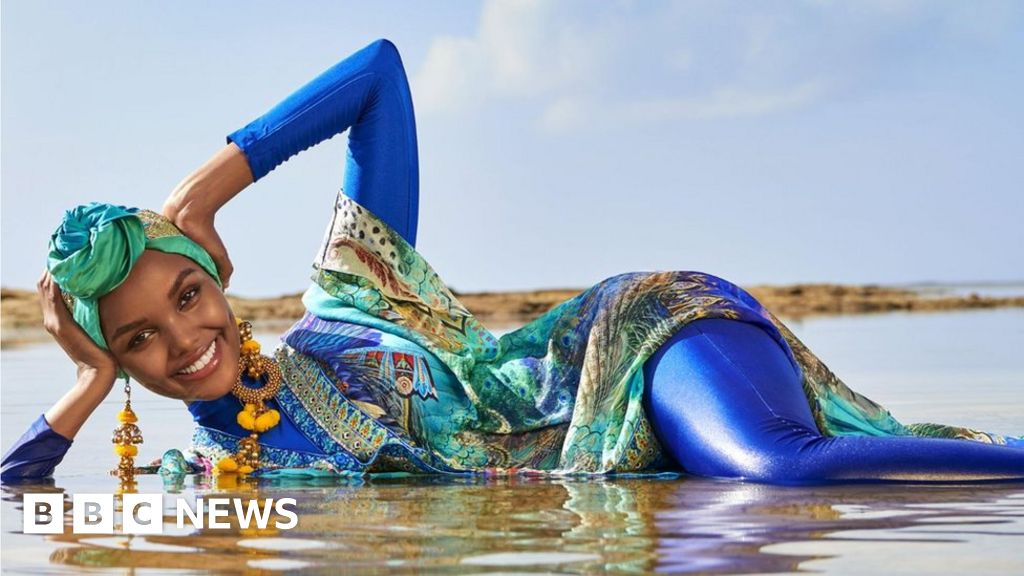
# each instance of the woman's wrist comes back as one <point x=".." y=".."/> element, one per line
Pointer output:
<point x="68" y="415"/>
<point x="97" y="378"/>
<point x="203" y="192"/>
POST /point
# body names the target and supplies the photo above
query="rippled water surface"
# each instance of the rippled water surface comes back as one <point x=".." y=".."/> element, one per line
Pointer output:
<point x="959" y="368"/>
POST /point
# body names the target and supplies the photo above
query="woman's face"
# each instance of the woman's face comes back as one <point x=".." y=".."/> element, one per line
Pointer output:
<point x="170" y="327"/>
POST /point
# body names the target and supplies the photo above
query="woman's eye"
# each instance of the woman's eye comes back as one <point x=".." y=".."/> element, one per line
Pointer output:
<point x="188" y="296"/>
<point x="139" y="339"/>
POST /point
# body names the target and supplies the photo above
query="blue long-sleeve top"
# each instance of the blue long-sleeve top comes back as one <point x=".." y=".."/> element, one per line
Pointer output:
<point x="367" y="92"/>
<point x="36" y="454"/>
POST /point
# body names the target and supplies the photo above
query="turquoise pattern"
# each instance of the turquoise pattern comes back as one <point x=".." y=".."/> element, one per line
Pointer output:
<point x="561" y="395"/>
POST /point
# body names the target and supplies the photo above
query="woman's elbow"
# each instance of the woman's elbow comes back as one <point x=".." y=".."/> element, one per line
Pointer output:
<point x="383" y="54"/>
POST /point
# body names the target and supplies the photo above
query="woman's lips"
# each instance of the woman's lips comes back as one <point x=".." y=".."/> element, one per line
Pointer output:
<point x="205" y="371"/>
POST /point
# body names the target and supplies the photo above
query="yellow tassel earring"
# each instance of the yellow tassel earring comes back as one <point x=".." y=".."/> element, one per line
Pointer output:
<point x="255" y="416"/>
<point x="126" y="436"/>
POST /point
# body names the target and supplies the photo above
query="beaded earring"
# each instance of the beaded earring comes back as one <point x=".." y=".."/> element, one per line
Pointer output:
<point x="125" y="438"/>
<point x="255" y="416"/>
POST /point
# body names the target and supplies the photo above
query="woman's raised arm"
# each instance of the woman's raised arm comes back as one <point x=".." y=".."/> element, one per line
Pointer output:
<point x="368" y="92"/>
<point x="194" y="203"/>
<point x="44" y="444"/>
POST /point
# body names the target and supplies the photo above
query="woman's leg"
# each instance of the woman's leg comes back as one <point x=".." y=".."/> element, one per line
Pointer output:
<point x="368" y="92"/>
<point x="725" y="401"/>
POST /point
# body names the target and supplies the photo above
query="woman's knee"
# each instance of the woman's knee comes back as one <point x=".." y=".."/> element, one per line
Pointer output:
<point x="725" y="402"/>
<point x="770" y="450"/>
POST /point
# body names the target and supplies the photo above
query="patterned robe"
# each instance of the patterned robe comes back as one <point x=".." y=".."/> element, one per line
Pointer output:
<point x="561" y="395"/>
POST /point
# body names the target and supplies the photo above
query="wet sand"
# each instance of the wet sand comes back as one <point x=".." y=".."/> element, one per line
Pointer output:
<point x="789" y="301"/>
<point x="22" y="321"/>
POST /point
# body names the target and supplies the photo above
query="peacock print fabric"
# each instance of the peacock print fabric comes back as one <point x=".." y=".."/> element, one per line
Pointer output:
<point x="561" y="395"/>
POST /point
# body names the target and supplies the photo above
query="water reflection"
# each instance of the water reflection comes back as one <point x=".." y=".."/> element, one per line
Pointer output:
<point x="440" y="525"/>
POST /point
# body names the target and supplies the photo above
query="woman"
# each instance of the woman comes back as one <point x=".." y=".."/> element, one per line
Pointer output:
<point x="387" y="371"/>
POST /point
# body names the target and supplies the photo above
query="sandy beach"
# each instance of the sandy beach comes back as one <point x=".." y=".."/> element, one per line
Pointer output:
<point x="22" y="320"/>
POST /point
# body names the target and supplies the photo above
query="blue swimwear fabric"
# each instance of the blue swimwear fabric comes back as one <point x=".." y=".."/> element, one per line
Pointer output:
<point x="368" y="94"/>
<point x="721" y="395"/>
<point x="36" y="454"/>
<point x="725" y="401"/>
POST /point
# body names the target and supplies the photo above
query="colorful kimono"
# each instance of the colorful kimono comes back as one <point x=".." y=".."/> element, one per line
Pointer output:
<point x="560" y="395"/>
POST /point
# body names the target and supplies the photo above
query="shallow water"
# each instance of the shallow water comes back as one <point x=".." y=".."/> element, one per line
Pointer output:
<point x="952" y="367"/>
<point x="992" y="290"/>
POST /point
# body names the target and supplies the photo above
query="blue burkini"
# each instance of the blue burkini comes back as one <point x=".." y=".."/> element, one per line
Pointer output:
<point x="727" y="402"/>
<point x="644" y="372"/>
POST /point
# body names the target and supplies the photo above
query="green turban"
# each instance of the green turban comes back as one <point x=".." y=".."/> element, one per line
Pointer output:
<point x="95" y="247"/>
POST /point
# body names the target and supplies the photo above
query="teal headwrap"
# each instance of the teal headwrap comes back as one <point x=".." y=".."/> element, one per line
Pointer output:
<point x="95" y="247"/>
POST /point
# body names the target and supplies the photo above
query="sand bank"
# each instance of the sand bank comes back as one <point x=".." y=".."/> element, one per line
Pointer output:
<point x="21" y="318"/>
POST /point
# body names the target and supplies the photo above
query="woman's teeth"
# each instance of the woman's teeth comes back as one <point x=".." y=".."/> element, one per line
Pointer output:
<point x="203" y="360"/>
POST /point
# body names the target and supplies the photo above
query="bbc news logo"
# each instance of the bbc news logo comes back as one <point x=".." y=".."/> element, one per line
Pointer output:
<point x="144" y="513"/>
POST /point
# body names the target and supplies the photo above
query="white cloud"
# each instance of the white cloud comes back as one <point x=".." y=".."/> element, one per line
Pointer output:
<point x="636" y="63"/>
<point x="727" y="103"/>
<point x="523" y="50"/>
<point x="566" y="114"/>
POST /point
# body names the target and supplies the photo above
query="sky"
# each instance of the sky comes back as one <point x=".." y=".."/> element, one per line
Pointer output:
<point x="560" y="143"/>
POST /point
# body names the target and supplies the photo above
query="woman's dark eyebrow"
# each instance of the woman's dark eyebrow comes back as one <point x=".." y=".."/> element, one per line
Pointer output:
<point x="128" y="328"/>
<point x="177" y="282"/>
<point x="170" y="295"/>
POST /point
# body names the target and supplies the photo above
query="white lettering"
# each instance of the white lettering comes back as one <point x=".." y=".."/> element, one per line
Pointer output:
<point x="252" y="509"/>
<point x="294" y="518"/>
<point x="217" y="508"/>
<point x="144" y="513"/>
<point x="195" y="516"/>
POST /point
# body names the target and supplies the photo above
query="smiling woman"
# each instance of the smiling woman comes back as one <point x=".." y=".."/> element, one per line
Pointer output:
<point x="387" y="370"/>
<point x="180" y="342"/>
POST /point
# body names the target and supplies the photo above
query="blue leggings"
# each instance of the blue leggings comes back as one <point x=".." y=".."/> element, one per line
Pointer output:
<point x="721" y="395"/>
<point x="726" y="402"/>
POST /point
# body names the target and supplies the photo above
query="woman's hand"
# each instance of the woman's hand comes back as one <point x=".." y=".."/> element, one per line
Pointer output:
<point x="92" y="361"/>
<point x="200" y="228"/>
<point x="196" y="200"/>
<point x="97" y="368"/>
